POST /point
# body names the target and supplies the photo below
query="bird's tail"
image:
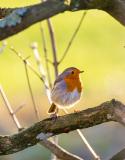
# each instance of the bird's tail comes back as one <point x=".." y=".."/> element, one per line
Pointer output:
<point x="52" y="108"/>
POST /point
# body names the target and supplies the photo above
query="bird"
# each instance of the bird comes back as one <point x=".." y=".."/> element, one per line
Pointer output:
<point x="66" y="91"/>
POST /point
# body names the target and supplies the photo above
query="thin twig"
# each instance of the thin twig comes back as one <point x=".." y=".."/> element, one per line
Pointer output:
<point x="31" y="93"/>
<point x="73" y="37"/>
<point x="53" y="44"/>
<point x="4" y="44"/>
<point x="18" y="108"/>
<point x="49" y="61"/>
<point x="41" y="69"/>
<point x="46" y="55"/>
<point x="28" y="64"/>
<point x="10" y="110"/>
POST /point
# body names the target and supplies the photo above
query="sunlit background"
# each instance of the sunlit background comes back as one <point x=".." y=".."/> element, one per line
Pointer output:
<point x="98" y="49"/>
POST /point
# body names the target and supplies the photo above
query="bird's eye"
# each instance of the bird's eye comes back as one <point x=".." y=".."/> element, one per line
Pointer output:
<point x="72" y="72"/>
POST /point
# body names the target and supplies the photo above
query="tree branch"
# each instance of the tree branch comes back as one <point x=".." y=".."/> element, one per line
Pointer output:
<point x="119" y="155"/>
<point x="31" y="15"/>
<point x="19" y="19"/>
<point x="108" y="111"/>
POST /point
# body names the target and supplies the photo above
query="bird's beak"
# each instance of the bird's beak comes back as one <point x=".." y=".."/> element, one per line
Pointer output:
<point x="81" y="71"/>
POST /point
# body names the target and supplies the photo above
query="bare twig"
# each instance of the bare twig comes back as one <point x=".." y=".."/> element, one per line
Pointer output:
<point x="4" y="44"/>
<point x="10" y="110"/>
<point x="105" y="112"/>
<point x="31" y="93"/>
<point x="46" y="56"/>
<point x="54" y="50"/>
<point x="18" y="108"/>
<point x="95" y="156"/>
<point x="73" y="37"/>
<point x="41" y="69"/>
<point x="28" y="64"/>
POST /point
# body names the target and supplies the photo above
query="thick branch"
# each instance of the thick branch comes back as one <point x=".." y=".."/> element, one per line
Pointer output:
<point x="32" y="15"/>
<point x="119" y="155"/>
<point x="108" y="111"/>
<point x="42" y="11"/>
<point x="5" y="11"/>
<point x="115" y="8"/>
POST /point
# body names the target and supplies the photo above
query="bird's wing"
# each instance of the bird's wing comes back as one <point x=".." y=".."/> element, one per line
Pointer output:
<point x="58" y="79"/>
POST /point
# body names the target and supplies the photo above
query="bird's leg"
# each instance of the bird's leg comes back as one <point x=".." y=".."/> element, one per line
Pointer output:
<point x="57" y="111"/>
<point x="76" y="110"/>
<point x="55" y="114"/>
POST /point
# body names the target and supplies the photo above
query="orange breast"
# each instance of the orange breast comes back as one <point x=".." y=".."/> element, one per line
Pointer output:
<point x="73" y="83"/>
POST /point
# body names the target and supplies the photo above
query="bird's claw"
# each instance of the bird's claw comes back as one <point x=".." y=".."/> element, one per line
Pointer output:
<point x="54" y="116"/>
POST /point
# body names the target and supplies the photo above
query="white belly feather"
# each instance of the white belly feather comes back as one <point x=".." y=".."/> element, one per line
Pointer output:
<point x="62" y="98"/>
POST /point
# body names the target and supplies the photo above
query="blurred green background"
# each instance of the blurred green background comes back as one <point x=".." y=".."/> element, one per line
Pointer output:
<point x="98" y="49"/>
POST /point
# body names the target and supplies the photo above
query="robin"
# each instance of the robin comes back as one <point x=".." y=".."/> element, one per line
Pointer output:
<point x="66" y="90"/>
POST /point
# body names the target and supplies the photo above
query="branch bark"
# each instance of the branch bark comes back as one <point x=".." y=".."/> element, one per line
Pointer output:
<point x="119" y="155"/>
<point x="42" y="11"/>
<point x="32" y="15"/>
<point x="108" y="111"/>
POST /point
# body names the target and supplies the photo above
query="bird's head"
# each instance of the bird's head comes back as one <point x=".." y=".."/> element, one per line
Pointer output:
<point x="72" y="73"/>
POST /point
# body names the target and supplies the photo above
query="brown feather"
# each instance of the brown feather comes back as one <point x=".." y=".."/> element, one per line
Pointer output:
<point x="52" y="108"/>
